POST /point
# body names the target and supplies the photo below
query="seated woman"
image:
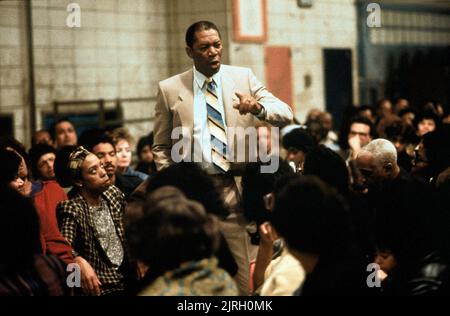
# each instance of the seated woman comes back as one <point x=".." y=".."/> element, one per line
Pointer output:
<point x="92" y="222"/>
<point x="14" y="173"/>
<point x="175" y="240"/>
<point x="145" y="164"/>
<point x="24" y="271"/>
<point x="123" y="141"/>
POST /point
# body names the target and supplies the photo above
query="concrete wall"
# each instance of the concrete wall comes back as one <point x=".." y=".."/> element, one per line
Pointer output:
<point x="13" y="65"/>
<point x="183" y="13"/>
<point x="327" y="24"/>
<point x="120" y="50"/>
<point x="124" y="48"/>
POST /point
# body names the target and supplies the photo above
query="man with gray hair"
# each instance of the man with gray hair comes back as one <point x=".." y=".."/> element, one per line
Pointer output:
<point x="377" y="163"/>
<point x="405" y="221"/>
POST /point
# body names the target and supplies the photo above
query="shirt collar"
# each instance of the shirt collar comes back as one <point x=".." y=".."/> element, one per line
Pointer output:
<point x="200" y="78"/>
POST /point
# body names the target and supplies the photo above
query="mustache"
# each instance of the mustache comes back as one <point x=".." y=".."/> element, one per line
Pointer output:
<point x="108" y="164"/>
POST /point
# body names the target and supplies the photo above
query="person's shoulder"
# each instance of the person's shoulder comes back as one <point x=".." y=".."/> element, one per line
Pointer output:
<point x="234" y="69"/>
<point x="113" y="193"/>
<point x="176" y="78"/>
<point x="53" y="187"/>
<point x="73" y="206"/>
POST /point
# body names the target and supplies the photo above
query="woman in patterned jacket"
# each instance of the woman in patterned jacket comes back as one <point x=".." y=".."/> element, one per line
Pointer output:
<point x="92" y="222"/>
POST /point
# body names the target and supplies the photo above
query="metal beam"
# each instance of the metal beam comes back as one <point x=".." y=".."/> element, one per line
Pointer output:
<point x="31" y="86"/>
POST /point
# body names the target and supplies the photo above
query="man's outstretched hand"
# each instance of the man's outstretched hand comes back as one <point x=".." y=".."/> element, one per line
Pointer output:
<point x="247" y="104"/>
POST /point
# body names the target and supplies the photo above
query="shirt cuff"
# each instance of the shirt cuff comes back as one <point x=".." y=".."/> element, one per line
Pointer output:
<point x="262" y="114"/>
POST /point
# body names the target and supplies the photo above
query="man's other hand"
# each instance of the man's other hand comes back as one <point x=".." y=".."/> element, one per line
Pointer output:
<point x="247" y="104"/>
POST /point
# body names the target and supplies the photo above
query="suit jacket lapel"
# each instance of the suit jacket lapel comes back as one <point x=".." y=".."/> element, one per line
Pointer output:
<point x="185" y="107"/>
<point x="228" y="89"/>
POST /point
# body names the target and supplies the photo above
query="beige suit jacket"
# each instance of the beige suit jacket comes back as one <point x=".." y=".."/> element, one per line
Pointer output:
<point x="175" y="102"/>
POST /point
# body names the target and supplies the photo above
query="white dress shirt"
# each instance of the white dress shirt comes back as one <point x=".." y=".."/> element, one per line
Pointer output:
<point x="201" y="134"/>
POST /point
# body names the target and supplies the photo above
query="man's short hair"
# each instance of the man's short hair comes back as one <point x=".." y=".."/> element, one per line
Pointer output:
<point x="299" y="139"/>
<point x="362" y="120"/>
<point x="92" y="137"/>
<point x="198" y="27"/>
<point x="35" y="153"/>
<point x="382" y="150"/>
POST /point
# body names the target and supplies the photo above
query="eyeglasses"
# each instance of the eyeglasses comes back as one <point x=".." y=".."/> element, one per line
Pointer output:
<point x="352" y="133"/>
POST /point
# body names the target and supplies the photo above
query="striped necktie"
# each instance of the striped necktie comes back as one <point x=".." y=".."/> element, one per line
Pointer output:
<point x="216" y="127"/>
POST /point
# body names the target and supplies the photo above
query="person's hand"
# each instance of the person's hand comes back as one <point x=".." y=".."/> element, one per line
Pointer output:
<point x="381" y="275"/>
<point x="267" y="234"/>
<point x="247" y="104"/>
<point x="90" y="283"/>
<point x="355" y="145"/>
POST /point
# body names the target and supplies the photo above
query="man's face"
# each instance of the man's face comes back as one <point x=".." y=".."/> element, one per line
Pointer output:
<point x="45" y="166"/>
<point x="93" y="175"/>
<point x="372" y="175"/>
<point x="65" y="134"/>
<point x="327" y="121"/>
<point x="206" y="52"/>
<point x="362" y="131"/>
<point x="385" y="109"/>
<point x="107" y="155"/>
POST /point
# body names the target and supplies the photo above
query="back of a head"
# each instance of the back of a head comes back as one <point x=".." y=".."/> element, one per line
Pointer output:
<point x="173" y="231"/>
<point x="255" y="185"/>
<point x="329" y="167"/>
<point x="12" y="143"/>
<point x="9" y="166"/>
<point x="62" y="172"/>
<point x="92" y="137"/>
<point x="311" y="217"/>
<point x="437" y="147"/>
<point x="194" y="182"/>
<point x="198" y="27"/>
<point x="19" y="232"/>
<point x="299" y="139"/>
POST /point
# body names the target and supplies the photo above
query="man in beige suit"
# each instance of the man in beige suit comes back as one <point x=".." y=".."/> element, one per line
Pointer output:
<point x="237" y="99"/>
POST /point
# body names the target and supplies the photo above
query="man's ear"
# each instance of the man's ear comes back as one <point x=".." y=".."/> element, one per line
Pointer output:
<point x="389" y="169"/>
<point x="78" y="184"/>
<point x="188" y="51"/>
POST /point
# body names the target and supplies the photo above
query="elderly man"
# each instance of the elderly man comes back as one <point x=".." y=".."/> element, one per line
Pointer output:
<point x="406" y="221"/>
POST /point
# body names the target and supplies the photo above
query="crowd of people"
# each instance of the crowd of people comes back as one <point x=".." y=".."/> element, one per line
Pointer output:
<point x="359" y="211"/>
<point x="374" y="192"/>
